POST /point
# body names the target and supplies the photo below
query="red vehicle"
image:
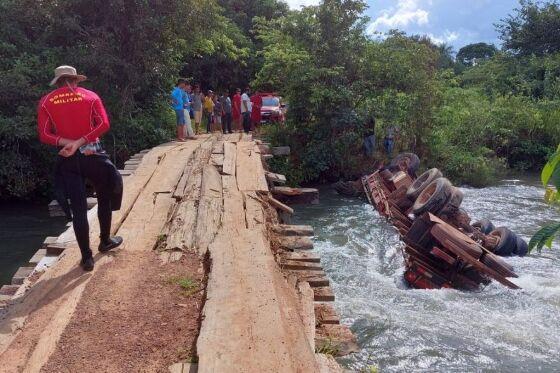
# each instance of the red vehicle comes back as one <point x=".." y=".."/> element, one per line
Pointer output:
<point x="272" y="109"/>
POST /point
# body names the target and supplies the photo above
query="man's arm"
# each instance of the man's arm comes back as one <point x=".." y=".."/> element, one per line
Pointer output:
<point x="45" y="128"/>
<point x="100" y="120"/>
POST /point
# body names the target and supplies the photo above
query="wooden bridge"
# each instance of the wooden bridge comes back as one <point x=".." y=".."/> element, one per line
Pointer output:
<point x="210" y="276"/>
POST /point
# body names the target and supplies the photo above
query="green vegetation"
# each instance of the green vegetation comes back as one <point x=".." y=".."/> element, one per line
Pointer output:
<point x="188" y="286"/>
<point x="550" y="175"/>
<point x="473" y="116"/>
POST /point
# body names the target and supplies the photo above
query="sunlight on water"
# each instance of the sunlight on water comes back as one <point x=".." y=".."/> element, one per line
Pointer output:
<point x="494" y="329"/>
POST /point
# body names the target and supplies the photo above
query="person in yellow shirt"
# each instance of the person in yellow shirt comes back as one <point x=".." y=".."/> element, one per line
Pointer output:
<point x="209" y="109"/>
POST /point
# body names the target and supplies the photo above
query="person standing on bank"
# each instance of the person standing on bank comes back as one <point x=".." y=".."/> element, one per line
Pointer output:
<point x="196" y="106"/>
<point x="236" y="110"/>
<point x="256" y="115"/>
<point x="73" y="118"/>
<point x="226" y="117"/>
<point x="246" y="110"/>
<point x="178" y="105"/>
<point x="187" y="109"/>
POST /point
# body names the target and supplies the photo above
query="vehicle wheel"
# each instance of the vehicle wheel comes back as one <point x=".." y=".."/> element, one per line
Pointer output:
<point x="484" y="225"/>
<point x="452" y="206"/>
<point x="433" y="197"/>
<point x="507" y="241"/>
<point x="413" y="162"/>
<point x="521" y="248"/>
<point x="422" y="182"/>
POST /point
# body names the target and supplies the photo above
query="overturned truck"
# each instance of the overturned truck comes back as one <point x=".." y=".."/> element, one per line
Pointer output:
<point x="442" y="249"/>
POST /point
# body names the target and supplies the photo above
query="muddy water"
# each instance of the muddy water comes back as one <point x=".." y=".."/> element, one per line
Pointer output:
<point x="403" y="330"/>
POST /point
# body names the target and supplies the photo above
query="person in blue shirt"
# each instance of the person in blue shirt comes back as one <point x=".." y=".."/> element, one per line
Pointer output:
<point x="188" y="131"/>
<point x="178" y="105"/>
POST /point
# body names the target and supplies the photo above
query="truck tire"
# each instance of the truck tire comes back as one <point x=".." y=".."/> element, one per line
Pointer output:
<point x="454" y="203"/>
<point x="484" y="225"/>
<point x="422" y="182"/>
<point x="521" y="248"/>
<point x="433" y="198"/>
<point x="507" y="243"/>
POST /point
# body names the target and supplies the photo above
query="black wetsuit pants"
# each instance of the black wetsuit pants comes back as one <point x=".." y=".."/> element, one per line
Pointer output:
<point x="72" y="173"/>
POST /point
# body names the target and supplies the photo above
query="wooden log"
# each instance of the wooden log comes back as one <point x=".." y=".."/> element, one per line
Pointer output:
<point x="55" y="249"/>
<point x="267" y="157"/>
<point x="295" y="243"/>
<point x="249" y="169"/>
<point x="21" y="274"/>
<point x="280" y="206"/>
<point x="130" y="167"/>
<point x="337" y="337"/>
<point x="254" y="214"/>
<point x="280" y="150"/>
<point x="296" y="195"/>
<point x="264" y="149"/>
<point x="302" y="256"/>
<point x="144" y="151"/>
<point x="36" y="258"/>
<point x="326" y="314"/>
<point x="323" y="294"/>
<point x="230" y="152"/>
<point x="293" y="230"/>
<point x="133" y="161"/>
<point x="125" y="172"/>
<point x="137" y="156"/>
<point x="275" y="178"/>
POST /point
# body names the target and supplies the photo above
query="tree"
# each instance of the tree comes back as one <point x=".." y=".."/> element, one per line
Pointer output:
<point x="475" y="53"/>
<point x="534" y="28"/>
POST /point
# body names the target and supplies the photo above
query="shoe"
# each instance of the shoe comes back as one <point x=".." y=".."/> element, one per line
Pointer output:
<point x="111" y="243"/>
<point x="87" y="264"/>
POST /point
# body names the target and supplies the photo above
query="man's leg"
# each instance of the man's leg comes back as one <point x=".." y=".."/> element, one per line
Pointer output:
<point x="228" y="122"/>
<point x="188" y="126"/>
<point x="76" y="189"/>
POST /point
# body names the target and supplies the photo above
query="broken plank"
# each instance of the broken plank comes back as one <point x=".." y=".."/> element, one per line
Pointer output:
<point x="280" y="206"/>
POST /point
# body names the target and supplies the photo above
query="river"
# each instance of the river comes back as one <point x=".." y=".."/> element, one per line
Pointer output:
<point x="23" y="228"/>
<point x="403" y="330"/>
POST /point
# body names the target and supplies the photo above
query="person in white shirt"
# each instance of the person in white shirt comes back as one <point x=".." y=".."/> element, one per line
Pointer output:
<point x="246" y="109"/>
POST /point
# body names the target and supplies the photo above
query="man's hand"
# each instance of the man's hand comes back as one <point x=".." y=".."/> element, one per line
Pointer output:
<point x="70" y="148"/>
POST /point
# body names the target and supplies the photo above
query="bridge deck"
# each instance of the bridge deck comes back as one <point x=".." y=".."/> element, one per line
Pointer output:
<point x="185" y="202"/>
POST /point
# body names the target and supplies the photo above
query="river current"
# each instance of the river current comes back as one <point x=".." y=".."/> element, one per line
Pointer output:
<point x="494" y="329"/>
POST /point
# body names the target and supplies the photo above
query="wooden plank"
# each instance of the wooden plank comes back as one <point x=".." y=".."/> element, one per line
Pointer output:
<point x="307" y="311"/>
<point x="217" y="160"/>
<point x="296" y="265"/>
<point x="8" y="289"/>
<point x="254" y="214"/>
<point x="295" y="243"/>
<point x="249" y="169"/>
<point x="234" y="212"/>
<point x="130" y="167"/>
<point x="280" y="150"/>
<point x="279" y="205"/>
<point x="325" y="313"/>
<point x="275" y="178"/>
<point x="293" y="230"/>
<point x="230" y="152"/>
<point x="48" y="241"/>
<point x="210" y="208"/>
<point x="302" y="256"/>
<point x="125" y="172"/>
<point x="218" y="147"/>
<point x="36" y="258"/>
<point x="296" y="195"/>
<point x="55" y="249"/>
<point x="315" y="278"/>
<point x="21" y="274"/>
<point x="323" y="294"/>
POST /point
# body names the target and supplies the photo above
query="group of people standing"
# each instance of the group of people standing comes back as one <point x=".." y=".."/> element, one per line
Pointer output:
<point x="220" y="112"/>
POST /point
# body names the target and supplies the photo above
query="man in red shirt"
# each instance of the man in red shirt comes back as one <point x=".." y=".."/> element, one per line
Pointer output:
<point x="256" y="115"/>
<point x="73" y="118"/>
<point x="236" y="110"/>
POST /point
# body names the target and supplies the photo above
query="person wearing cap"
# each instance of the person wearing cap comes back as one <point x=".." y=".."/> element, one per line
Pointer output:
<point x="73" y="118"/>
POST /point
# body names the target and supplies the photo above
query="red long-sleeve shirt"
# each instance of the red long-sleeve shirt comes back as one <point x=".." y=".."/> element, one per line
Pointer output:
<point x="71" y="114"/>
<point x="236" y="106"/>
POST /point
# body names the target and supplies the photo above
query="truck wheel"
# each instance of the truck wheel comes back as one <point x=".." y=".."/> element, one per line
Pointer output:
<point x="433" y="197"/>
<point x="521" y="247"/>
<point x="422" y="182"/>
<point x="452" y="206"/>
<point x="484" y="225"/>
<point x="507" y="241"/>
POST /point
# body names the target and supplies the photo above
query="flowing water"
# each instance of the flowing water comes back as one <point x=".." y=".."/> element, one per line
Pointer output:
<point x="401" y="330"/>
<point x="23" y="228"/>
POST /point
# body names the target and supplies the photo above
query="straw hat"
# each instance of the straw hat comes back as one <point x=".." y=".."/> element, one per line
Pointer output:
<point x="66" y="71"/>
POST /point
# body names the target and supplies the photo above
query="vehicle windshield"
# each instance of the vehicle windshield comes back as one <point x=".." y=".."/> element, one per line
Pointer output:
<point x="271" y="101"/>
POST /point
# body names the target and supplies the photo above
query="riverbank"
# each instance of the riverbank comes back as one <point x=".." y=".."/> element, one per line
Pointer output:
<point x="397" y="328"/>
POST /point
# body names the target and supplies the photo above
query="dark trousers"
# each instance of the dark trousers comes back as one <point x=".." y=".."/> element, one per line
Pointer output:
<point x="106" y="180"/>
<point x="226" y="123"/>
<point x="246" y="122"/>
<point x="209" y="122"/>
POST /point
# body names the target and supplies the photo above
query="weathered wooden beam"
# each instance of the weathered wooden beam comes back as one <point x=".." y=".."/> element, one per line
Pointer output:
<point x="295" y="243"/>
<point x="280" y="206"/>
<point x="293" y="230"/>
<point x="36" y="258"/>
<point x="302" y="256"/>
<point x="296" y="265"/>
<point x="264" y="149"/>
<point x="21" y="274"/>
<point x="307" y="311"/>
<point x="125" y="172"/>
<point x="326" y="314"/>
<point x="280" y="150"/>
<point x="315" y="278"/>
<point x="323" y="294"/>
<point x="130" y="167"/>
<point x="267" y="157"/>
<point x="8" y="289"/>
<point x="49" y="240"/>
<point x="275" y="178"/>
<point x="296" y="195"/>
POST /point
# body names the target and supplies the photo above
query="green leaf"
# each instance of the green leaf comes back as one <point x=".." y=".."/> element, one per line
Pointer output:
<point x="550" y="167"/>
<point x="544" y="236"/>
